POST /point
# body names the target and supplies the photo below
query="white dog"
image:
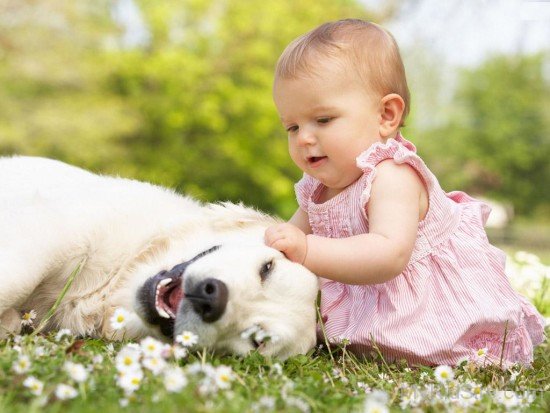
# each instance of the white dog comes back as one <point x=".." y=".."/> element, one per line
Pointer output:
<point x="174" y="264"/>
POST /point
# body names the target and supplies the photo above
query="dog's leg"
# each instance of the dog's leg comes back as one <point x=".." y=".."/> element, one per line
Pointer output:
<point x="21" y="271"/>
<point x="10" y="323"/>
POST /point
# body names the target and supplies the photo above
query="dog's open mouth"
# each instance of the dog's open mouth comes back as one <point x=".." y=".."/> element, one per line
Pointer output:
<point x="168" y="295"/>
<point x="160" y="297"/>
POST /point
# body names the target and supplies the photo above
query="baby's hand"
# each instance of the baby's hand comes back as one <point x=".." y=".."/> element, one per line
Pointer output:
<point x="288" y="239"/>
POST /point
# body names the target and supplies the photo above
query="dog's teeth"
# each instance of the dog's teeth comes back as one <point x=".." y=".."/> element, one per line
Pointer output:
<point x="164" y="282"/>
<point x="162" y="313"/>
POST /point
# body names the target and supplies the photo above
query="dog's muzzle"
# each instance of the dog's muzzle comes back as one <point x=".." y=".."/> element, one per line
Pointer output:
<point x="208" y="298"/>
<point x="161" y="296"/>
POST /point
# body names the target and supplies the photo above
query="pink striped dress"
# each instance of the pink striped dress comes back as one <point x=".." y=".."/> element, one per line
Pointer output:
<point x="452" y="299"/>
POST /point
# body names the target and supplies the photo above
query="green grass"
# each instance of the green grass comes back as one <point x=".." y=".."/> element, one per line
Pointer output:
<point x="320" y="381"/>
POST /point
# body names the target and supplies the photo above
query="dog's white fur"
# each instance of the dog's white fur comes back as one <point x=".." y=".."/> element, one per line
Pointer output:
<point x="54" y="216"/>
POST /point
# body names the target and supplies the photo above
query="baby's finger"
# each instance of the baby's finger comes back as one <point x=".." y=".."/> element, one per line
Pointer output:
<point x="272" y="237"/>
<point x="280" y="244"/>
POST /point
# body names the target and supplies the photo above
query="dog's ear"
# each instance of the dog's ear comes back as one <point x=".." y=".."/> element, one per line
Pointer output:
<point x="227" y="216"/>
<point x="154" y="248"/>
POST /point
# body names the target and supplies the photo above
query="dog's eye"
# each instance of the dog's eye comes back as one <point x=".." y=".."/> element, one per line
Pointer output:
<point x="266" y="269"/>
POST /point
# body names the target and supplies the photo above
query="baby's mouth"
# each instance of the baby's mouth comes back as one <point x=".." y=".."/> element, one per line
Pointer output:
<point x="315" y="159"/>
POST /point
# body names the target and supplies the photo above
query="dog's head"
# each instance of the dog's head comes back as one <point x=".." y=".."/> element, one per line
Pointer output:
<point x="236" y="299"/>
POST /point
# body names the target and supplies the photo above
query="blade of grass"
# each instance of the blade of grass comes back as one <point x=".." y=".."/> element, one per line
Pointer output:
<point x="54" y="307"/>
<point x="324" y="332"/>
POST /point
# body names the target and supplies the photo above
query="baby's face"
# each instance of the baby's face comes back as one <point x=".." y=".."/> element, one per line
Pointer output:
<point x="330" y="119"/>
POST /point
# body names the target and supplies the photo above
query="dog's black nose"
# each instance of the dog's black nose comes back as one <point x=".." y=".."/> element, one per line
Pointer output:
<point x="208" y="298"/>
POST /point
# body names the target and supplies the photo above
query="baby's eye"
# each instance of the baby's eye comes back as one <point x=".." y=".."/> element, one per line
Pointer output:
<point x="324" y="119"/>
<point x="292" y="128"/>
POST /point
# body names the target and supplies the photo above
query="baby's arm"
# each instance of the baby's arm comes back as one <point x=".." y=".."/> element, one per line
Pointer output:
<point x="382" y="254"/>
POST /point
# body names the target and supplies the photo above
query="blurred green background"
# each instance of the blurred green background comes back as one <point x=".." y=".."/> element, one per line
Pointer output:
<point x="179" y="93"/>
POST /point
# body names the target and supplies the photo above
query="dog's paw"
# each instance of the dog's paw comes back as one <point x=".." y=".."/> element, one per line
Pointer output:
<point x="10" y="323"/>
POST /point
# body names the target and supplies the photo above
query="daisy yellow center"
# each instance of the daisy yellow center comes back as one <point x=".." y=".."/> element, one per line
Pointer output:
<point x="127" y="361"/>
<point x="120" y="318"/>
<point x="27" y="316"/>
<point x="135" y="380"/>
<point x="224" y="377"/>
<point x="444" y="374"/>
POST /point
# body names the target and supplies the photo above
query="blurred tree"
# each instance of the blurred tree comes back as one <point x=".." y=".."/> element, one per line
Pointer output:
<point x="203" y="91"/>
<point x="497" y="142"/>
<point x="52" y="68"/>
<point x="189" y="105"/>
<point x="189" y="108"/>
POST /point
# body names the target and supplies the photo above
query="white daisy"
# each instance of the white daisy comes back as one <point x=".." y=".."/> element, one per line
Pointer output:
<point x="28" y="317"/>
<point x="194" y="368"/>
<point x="110" y="348"/>
<point x="179" y="352"/>
<point x="380" y="396"/>
<point x="462" y="361"/>
<point x="97" y="359"/>
<point x="443" y="373"/>
<point x="174" y="379"/>
<point x="76" y="371"/>
<point x="481" y="353"/>
<point x="155" y="364"/>
<point x="187" y="339"/>
<point x="65" y="392"/>
<point x="166" y="350"/>
<point x="119" y="318"/>
<point x="277" y="369"/>
<point x="526" y="399"/>
<point x="130" y="380"/>
<point x="34" y="385"/>
<point x="298" y="403"/>
<point x="128" y="359"/>
<point x="513" y="376"/>
<point x="266" y="403"/>
<point x="151" y="347"/>
<point x="508" y="399"/>
<point x="466" y="399"/>
<point x="475" y="388"/>
<point x="64" y="332"/>
<point x="223" y="377"/>
<point x="39" y="351"/>
<point x="411" y="398"/>
<point x="22" y="364"/>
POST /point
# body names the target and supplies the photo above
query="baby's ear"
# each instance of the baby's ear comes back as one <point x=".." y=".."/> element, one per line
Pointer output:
<point x="392" y="107"/>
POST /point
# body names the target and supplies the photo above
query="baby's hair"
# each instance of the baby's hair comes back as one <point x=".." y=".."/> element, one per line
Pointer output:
<point x="370" y="49"/>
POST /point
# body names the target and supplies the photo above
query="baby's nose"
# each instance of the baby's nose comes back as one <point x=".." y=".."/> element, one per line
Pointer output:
<point x="306" y="137"/>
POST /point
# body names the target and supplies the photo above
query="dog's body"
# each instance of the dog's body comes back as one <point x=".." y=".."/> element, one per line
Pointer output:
<point x="54" y="217"/>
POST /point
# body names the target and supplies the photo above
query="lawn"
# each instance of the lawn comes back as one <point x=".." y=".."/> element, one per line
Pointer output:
<point x="61" y="373"/>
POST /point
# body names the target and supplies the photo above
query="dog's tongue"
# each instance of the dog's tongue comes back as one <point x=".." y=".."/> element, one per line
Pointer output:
<point x="176" y="295"/>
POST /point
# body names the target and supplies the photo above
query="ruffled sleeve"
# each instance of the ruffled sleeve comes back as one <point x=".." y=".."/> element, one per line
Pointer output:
<point x="304" y="189"/>
<point x="398" y="149"/>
